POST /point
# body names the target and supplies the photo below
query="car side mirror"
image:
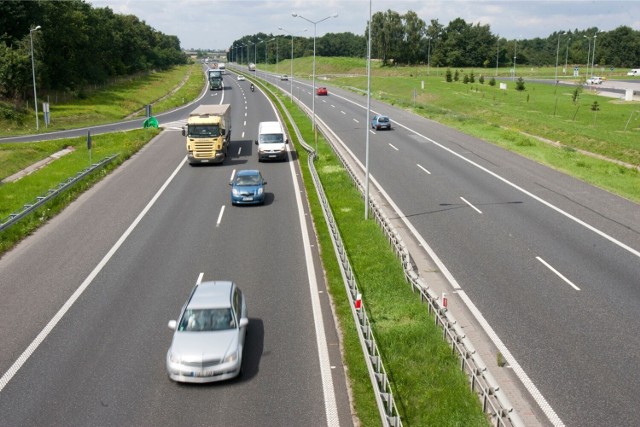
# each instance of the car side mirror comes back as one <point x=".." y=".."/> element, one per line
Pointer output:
<point x="244" y="322"/>
<point x="286" y="141"/>
<point x="222" y="132"/>
<point x="264" y="182"/>
<point x="172" y="325"/>
<point x="256" y="142"/>
<point x="184" y="133"/>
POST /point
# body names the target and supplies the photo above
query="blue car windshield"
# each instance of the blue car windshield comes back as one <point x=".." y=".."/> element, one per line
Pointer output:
<point x="208" y="319"/>
<point x="383" y="119"/>
<point x="248" y="180"/>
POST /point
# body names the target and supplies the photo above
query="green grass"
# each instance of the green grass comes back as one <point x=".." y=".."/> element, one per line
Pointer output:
<point x="428" y="385"/>
<point x="14" y="195"/>
<point x="113" y="103"/>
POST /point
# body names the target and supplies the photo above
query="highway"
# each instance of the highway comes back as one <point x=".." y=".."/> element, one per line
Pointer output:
<point x="551" y="263"/>
<point x="87" y="298"/>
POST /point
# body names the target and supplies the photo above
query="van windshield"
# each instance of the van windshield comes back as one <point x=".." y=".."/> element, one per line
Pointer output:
<point x="271" y="138"/>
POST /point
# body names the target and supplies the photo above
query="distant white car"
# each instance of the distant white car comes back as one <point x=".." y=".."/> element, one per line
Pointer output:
<point x="594" y="80"/>
<point x="284" y="77"/>
<point x="240" y="77"/>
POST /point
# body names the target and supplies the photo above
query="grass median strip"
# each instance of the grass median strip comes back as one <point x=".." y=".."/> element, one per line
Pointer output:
<point x="428" y="385"/>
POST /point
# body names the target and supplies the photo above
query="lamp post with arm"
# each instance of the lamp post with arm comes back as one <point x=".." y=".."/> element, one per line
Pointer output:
<point x="566" y="57"/>
<point x="291" y="72"/>
<point x="33" y="70"/>
<point x="557" y="53"/>
<point x="313" y="99"/>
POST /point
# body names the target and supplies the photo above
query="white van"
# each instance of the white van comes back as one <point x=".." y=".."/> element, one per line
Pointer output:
<point x="634" y="72"/>
<point x="271" y="142"/>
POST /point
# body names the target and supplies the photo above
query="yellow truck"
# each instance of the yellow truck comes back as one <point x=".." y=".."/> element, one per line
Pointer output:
<point x="208" y="133"/>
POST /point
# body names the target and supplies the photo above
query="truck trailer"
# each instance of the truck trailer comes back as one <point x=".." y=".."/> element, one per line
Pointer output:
<point x="208" y="133"/>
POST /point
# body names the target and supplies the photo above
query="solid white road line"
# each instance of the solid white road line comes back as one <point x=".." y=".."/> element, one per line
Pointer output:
<point x="424" y="169"/>
<point x="220" y="216"/>
<point x="85" y="284"/>
<point x="394" y="147"/>
<point x="546" y="264"/>
<point x="330" y="406"/>
<point x="476" y="209"/>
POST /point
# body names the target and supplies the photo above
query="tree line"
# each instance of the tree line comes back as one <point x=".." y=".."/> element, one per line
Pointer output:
<point x="76" y="45"/>
<point x="406" y="39"/>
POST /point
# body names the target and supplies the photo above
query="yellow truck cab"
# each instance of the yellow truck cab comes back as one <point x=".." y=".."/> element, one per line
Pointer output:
<point x="208" y="133"/>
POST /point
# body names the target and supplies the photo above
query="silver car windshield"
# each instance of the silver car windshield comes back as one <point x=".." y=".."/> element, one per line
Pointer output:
<point x="208" y="319"/>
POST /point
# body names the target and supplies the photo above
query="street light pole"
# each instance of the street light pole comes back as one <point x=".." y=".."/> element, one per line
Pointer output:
<point x="313" y="94"/>
<point x="515" y="48"/>
<point x="291" y="72"/>
<point x="557" y="53"/>
<point x="428" y="56"/>
<point x="33" y="70"/>
<point x="593" y="57"/>
<point x="566" y="57"/>
<point x="497" y="54"/>
<point x="368" y="122"/>
<point x="588" y="54"/>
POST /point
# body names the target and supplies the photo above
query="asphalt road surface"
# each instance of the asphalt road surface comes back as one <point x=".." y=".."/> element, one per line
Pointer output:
<point x="86" y="299"/>
<point x="552" y="264"/>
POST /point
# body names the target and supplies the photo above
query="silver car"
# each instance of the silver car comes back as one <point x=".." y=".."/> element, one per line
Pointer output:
<point x="209" y="335"/>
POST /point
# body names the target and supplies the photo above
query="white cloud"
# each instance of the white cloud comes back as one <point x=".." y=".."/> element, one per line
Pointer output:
<point x="215" y="24"/>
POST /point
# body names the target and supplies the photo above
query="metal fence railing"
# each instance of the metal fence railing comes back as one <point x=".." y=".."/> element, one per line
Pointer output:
<point x="54" y="192"/>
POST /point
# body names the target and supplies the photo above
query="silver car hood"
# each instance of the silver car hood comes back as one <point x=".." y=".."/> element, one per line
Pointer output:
<point x="203" y="346"/>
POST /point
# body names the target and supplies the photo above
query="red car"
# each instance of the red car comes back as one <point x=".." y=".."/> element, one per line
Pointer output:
<point x="322" y="91"/>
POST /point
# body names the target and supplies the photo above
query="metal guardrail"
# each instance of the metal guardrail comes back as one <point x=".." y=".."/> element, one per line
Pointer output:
<point x="54" y="192"/>
<point x="387" y="408"/>
<point x="494" y="402"/>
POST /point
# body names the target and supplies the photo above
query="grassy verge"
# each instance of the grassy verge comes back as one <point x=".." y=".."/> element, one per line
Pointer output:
<point x="165" y="90"/>
<point x="543" y="123"/>
<point x="14" y="195"/>
<point x="429" y="387"/>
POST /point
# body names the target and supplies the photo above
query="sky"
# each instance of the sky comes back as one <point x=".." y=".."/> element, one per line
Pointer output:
<point x="215" y="24"/>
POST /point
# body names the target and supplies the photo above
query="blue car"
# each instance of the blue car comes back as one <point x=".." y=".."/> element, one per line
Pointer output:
<point x="380" y="122"/>
<point x="247" y="188"/>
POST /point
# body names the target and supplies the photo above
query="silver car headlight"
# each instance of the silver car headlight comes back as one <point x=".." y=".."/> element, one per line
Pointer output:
<point x="231" y="358"/>
<point x="235" y="191"/>
<point x="260" y="191"/>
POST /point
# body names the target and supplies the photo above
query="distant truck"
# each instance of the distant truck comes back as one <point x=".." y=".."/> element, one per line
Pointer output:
<point x="252" y="66"/>
<point x="208" y="133"/>
<point x="215" y="78"/>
